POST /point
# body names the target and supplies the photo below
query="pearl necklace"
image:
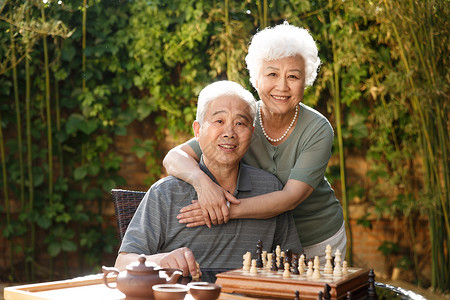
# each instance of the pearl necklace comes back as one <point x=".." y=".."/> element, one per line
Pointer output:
<point x="285" y="133"/>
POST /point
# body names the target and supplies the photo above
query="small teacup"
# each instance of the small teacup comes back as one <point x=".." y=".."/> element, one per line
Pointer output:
<point x="169" y="291"/>
<point x="204" y="290"/>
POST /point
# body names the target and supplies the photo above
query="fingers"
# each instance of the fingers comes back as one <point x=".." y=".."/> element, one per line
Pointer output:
<point x="232" y="199"/>
<point x="206" y="217"/>
<point x="187" y="218"/>
<point x="192" y="265"/>
<point x="181" y="258"/>
<point x="195" y="224"/>
<point x="191" y="207"/>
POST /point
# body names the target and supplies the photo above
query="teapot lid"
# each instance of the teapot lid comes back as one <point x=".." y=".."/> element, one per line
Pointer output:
<point x="142" y="266"/>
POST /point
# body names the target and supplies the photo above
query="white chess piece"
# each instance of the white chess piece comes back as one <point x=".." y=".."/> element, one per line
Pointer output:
<point x="328" y="269"/>
<point x="301" y="268"/>
<point x="337" y="264"/>
<point x="316" y="273"/>
<point x="269" y="260"/>
<point x="247" y="260"/>
<point x="287" y="271"/>
<point x="310" y="271"/>
<point x="344" y="267"/>
<point x="278" y="251"/>
<point x="264" y="258"/>
<point x="253" y="269"/>
<point x="302" y="261"/>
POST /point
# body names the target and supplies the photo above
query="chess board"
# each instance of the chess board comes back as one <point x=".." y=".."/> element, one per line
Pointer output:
<point x="268" y="283"/>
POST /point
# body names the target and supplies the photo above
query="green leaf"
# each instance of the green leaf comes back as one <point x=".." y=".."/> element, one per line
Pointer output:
<point x="68" y="246"/>
<point x="80" y="172"/>
<point x="54" y="248"/>
<point x="74" y="123"/>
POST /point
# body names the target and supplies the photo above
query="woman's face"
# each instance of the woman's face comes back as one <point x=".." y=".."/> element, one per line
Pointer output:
<point x="281" y="83"/>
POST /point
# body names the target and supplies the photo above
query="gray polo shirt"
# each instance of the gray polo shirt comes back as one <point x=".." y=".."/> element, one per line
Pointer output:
<point x="155" y="228"/>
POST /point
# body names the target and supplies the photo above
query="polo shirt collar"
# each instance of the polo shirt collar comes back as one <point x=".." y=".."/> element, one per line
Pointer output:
<point x="244" y="183"/>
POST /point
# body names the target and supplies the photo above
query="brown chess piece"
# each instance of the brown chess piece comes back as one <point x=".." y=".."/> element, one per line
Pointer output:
<point x="371" y="291"/>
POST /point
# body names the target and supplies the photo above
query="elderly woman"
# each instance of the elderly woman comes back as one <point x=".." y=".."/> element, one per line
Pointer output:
<point x="290" y="140"/>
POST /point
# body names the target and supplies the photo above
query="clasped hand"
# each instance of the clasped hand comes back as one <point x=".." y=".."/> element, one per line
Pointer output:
<point x="210" y="208"/>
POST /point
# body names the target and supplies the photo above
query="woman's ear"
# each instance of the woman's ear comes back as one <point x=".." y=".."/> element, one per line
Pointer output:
<point x="196" y="127"/>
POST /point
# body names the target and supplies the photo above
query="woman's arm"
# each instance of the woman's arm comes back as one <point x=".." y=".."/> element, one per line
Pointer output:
<point x="182" y="162"/>
<point x="259" y="207"/>
<point x="272" y="204"/>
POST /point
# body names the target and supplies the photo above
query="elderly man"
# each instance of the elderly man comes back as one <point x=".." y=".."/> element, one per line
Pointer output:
<point x="224" y="127"/>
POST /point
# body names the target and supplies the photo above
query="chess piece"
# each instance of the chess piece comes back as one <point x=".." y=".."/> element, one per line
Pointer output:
<point x="297" y="295"/>
<point x="301" y="261"/>
<point x="295" y="264"/>
<point x="326" y="292"/>
<point x="301" y="268"/>
<point x="344" y="267"/>
<point x="247" y="261"/>
<point x="309" y="273"/>
<point x="316" y="273"/>
<point x="328" y="269"/>
<point x="320" y="295"/>
<point x="274" y="262"/>
<point x="254" y="269"/>
<point x="337" y="272"/>
<point x="264" y="258"/>
<point x="288" y="257"/>
<point x="349" y="295"/>
<point x="281" y="261"/>
<point x="259" y="263"/>
<point x="269" y="261"/>
<point x="287" y="272"/>
<point x="371" y="291"/>
<point x="278" y="251"/>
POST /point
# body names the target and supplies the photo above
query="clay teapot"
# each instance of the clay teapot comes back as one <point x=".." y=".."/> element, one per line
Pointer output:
<point x="139" y="278"/>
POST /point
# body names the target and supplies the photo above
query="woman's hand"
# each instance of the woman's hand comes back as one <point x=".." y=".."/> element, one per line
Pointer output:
<point x="191" y="215"/>
<point x="211" y="205"/>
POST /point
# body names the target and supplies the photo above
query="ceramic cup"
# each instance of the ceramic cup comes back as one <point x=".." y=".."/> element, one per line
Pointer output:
<point x="169" y="291"/>
<point x="204" y="290"/>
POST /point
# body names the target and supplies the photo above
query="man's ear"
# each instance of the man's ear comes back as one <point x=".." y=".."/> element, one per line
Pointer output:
<point x="196" y="127"/>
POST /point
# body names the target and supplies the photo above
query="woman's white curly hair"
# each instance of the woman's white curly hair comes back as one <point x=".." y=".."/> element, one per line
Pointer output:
<point x="282" y="41"/>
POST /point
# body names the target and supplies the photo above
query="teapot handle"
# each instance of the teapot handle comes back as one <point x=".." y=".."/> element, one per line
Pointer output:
<point x="106" y="271"/>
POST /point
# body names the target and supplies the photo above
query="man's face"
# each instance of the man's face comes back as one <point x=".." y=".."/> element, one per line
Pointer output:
<point x="226" y="132"/>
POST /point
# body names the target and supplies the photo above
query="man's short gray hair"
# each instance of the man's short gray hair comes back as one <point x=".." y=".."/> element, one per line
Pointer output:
<point x="282" y="41"/>
<point x="223" y="88"/>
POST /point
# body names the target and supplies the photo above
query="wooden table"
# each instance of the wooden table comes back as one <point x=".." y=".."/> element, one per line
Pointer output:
<point x="85" y="288"/>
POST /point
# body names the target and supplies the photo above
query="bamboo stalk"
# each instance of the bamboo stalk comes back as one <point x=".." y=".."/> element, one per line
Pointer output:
<point x="83" y="46"/>
<point x="49" y="116"/>
<point x="337" y="110"/>
<point x="5" y="194"/>
<point x="265" y="11"/>
<point x="18" y="118"/>
<point x="49" y="127"/>
<point x="32" y="236"/>
<point x="260" y="14"/>
<point x="227" y="41"/>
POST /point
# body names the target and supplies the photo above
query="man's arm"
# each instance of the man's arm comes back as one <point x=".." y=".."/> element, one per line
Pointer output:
<point x="181" y="258"/>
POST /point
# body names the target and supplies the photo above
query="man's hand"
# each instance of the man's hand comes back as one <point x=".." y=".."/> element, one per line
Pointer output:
<point x="181" y="258"/>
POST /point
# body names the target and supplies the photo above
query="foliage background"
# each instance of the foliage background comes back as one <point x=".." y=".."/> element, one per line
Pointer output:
<point x="75" y="74"/>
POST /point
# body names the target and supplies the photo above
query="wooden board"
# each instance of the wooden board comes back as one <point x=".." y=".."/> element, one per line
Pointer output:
<point x="269" y="283"/>
<point x="85" y="288"/>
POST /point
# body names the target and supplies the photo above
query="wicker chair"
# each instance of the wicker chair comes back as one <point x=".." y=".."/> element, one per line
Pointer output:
<point x="125" y="205"/>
